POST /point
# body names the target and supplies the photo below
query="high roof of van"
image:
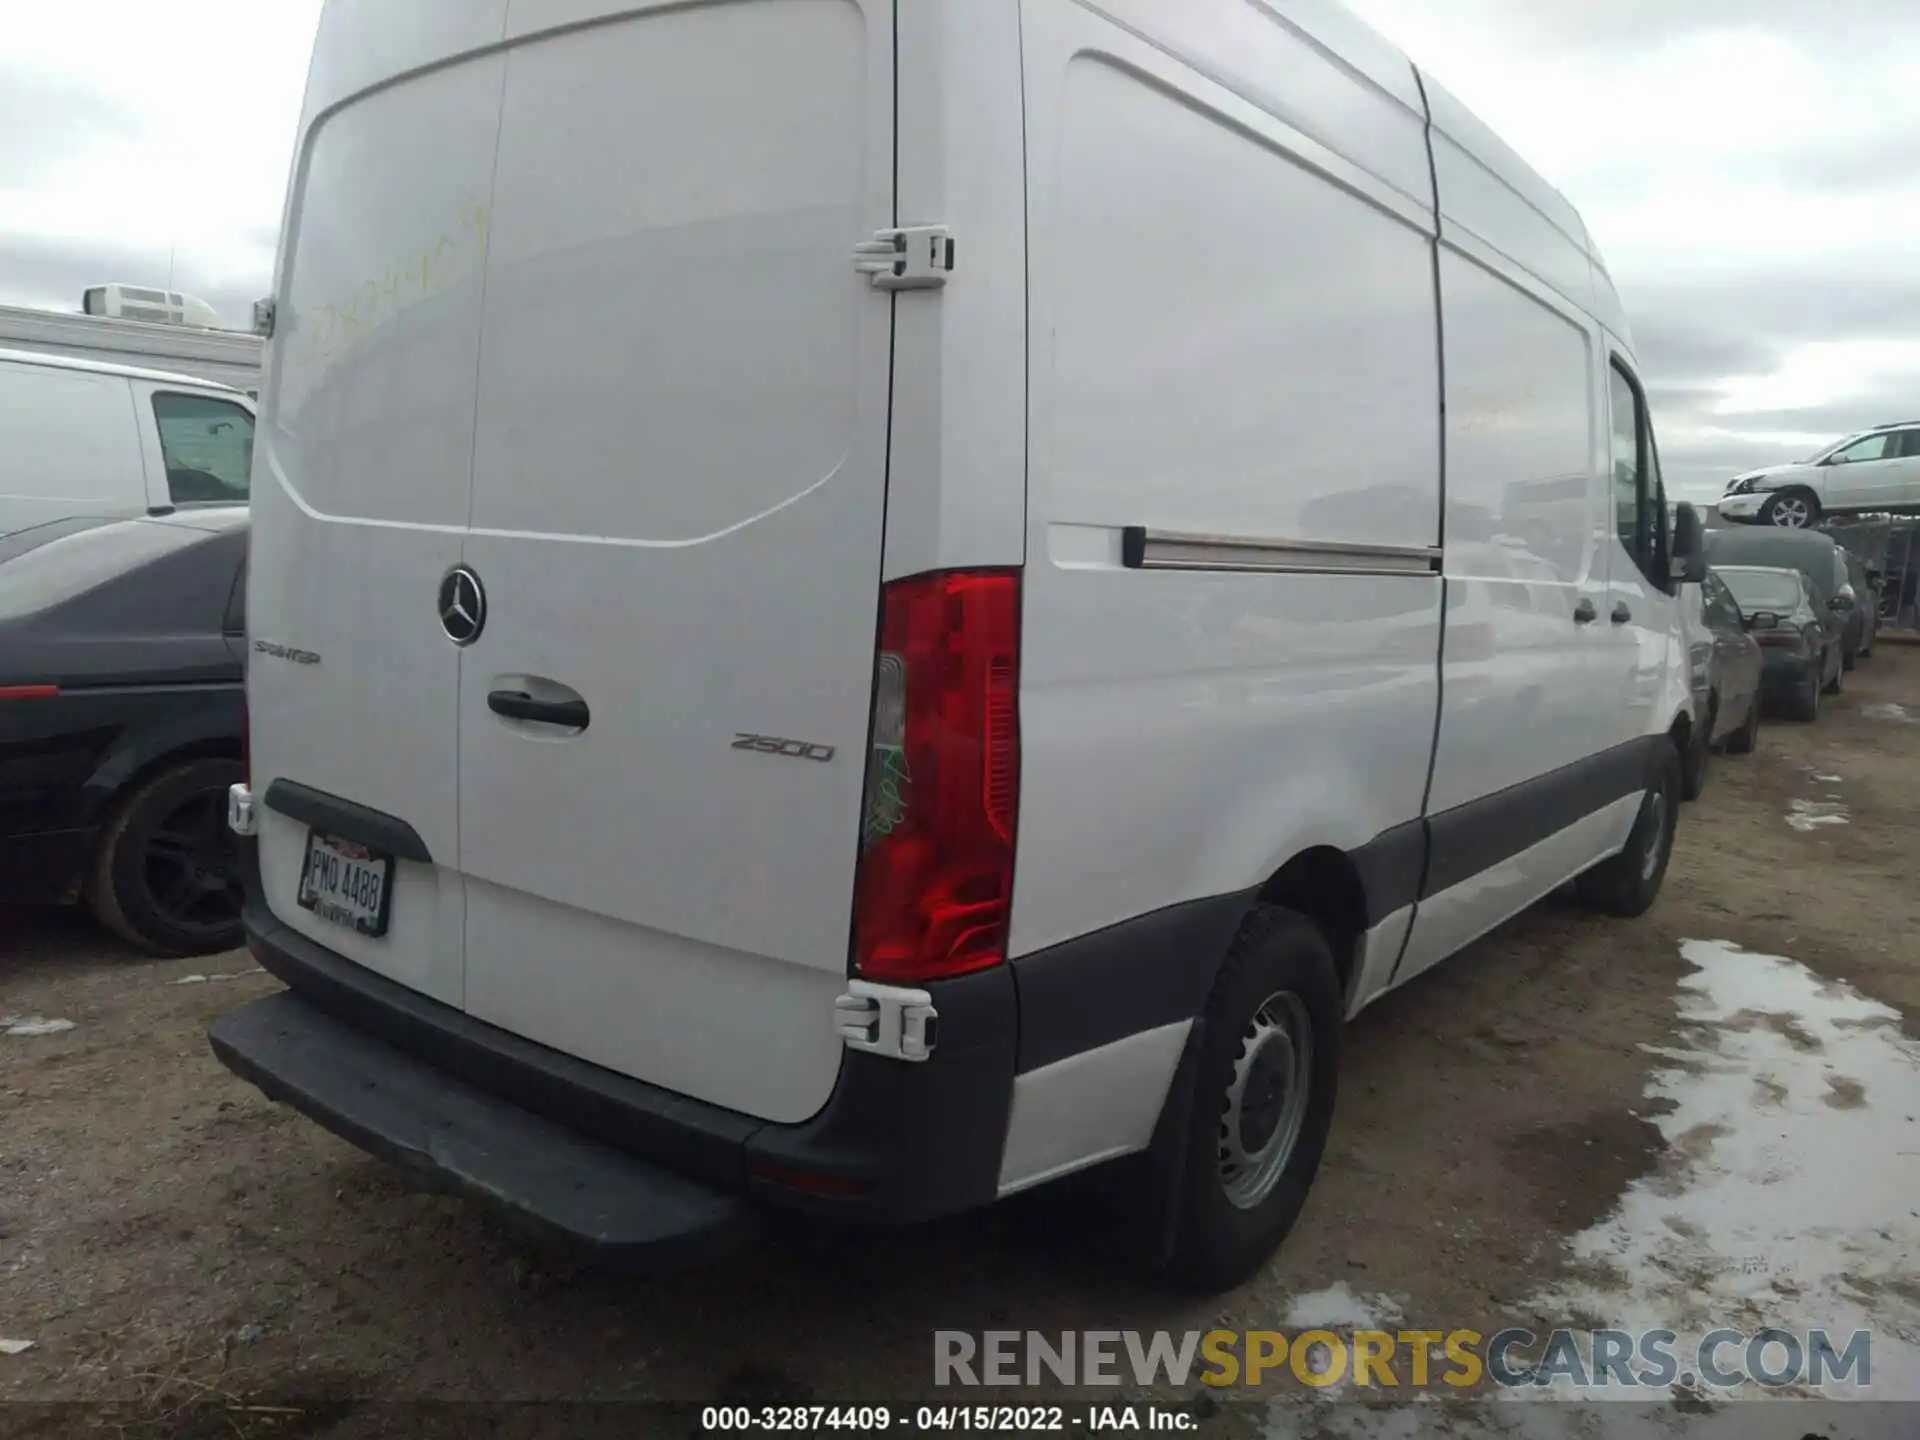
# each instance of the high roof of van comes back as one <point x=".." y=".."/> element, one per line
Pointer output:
<point x="102" y="367"/>
<point x="1519" y="214"/>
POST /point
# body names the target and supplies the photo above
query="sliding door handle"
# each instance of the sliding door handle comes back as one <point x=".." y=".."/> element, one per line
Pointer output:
<point x="518" y="705"/>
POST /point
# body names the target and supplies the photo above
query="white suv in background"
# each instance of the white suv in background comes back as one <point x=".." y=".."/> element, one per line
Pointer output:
<point x="1877" y="469"/>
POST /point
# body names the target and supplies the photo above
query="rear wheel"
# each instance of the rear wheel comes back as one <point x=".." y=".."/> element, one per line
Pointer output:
<point x="1693" y="765"/>
<point x="1262" y="1099"/>
<point x="1742" y="741"/>
<point x="1628" y="883"/>
<point x="167" y="875"/>
<point x="1791" y="510"/>
<point x="1840" y="668"/>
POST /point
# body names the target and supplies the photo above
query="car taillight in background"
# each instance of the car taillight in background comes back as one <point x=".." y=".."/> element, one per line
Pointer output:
<point x="935" y="882"/>
<point x="29" y="692"/>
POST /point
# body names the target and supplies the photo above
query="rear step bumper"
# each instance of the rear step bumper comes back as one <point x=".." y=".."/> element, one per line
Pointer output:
<point x="895" y="1143"/>
<point x="546" y="1178"/>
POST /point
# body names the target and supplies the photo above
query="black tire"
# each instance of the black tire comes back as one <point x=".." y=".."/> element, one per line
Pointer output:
<point x="1628" y="883"/>
<point x="1850" y="658"/>
<point x="1743" y="740"/>
<point x="1838" y="682"/>
<point x="1693" y="764"/>
<point x="167" y="874"/>
<point x="1281" y="957"/>
<point x="1791" y="509"/>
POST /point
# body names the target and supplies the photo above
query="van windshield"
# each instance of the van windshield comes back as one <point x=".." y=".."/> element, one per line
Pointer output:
<point x="1763" y="589"/>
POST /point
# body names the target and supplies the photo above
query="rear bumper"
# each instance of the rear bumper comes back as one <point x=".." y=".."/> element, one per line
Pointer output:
<point x="895" y="1143"/>
<point x="1782" y="671"/>
<point x="546" y="1178"/>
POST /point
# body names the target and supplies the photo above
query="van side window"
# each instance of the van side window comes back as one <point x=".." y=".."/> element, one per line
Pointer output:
<point x="1639" y="498"/>
<point x="208" y="447"/>
<point x="1627" y="478"/>
<point x="1721" y="605"/>
<point x="1873" y="447"/>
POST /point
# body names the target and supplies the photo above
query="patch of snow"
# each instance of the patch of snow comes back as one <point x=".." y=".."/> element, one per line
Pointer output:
<point x="1338" y="1308"/>
<point x="1807" y="816"/>
<point x="1887" y="710"/>
<point x="15" y="1347"/>
<point x="1787" y="1196"/>
<point x="205" y="979"/>
<point x="34" y="1025"/>
<point x="1828" y="779"/>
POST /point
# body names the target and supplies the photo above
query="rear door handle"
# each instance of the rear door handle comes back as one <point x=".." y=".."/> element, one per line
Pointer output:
<point x="1584" y="613"/>
<point x="1621" y="615"/>
<point x="518" y="705"/>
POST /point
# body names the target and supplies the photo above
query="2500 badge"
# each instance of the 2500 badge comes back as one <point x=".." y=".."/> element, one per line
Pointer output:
<point x="792" y="749"/>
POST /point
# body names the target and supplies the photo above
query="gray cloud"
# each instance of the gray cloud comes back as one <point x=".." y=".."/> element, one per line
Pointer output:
<point x="1727" y="323"/>
<point x="50" y="275"/>
<point x="45" y="122"/>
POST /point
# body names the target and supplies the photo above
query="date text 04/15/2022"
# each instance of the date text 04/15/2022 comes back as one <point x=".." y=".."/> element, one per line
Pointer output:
<point x="942" y="1419"/>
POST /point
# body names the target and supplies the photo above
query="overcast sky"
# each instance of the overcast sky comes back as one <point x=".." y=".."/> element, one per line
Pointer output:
<point x="1751" y="171"/>
<point x="135" y="129"/>
<point x="1751" y="168"/>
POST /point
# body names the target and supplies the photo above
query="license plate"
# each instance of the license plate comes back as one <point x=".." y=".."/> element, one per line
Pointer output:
<point x="345" y="882"/>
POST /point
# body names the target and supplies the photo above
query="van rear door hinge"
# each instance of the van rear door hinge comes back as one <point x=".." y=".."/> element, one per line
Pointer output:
<point x="919" y="257"/>
<point x="886" y="1020"/>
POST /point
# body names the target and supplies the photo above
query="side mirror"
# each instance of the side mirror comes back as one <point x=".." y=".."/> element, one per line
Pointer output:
<point x="1689" y="545"/>
<point x="1841" y="603"/>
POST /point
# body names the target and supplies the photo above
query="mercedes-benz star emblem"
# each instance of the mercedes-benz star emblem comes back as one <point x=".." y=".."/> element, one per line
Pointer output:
<point x="463" y="605"/>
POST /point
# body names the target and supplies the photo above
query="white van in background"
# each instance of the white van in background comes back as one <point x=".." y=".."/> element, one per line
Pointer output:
<point x="85" y="438"/>
<point x="887" y="601"/>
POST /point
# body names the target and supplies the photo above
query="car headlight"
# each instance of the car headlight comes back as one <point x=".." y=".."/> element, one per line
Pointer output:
<point x="1741" y="487"/>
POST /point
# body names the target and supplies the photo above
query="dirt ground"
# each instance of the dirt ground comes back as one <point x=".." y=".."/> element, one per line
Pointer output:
<point x="168" y="1237"/>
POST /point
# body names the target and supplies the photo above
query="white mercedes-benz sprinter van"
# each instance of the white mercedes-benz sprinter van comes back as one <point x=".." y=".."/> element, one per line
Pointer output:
<point x="860" y="605"/>
<point x="87" y="439"/>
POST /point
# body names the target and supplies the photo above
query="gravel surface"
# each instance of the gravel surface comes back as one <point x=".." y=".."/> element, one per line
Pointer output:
<point x="170" y="1240"/>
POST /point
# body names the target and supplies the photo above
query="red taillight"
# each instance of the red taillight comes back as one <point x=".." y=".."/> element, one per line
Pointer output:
<point x="935" y="882"/>
<point x="29" y="692"/>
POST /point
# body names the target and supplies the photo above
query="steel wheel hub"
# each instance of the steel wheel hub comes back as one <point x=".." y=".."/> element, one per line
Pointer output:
<point x="1266" y="1100"/>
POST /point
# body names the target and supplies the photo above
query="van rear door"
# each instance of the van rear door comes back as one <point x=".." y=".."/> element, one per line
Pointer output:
<point x="678" y="496"/>
<point x="363" y="479"/>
